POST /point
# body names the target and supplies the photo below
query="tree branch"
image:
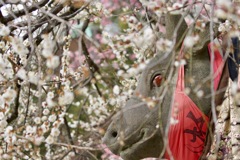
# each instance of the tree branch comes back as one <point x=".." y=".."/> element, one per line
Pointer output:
<point x="14" y="115"/>
<point x="69" y="133"/>
<point x="22" y="12"/>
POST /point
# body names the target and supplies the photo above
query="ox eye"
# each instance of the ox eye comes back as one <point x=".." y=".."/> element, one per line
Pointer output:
<point x="157" y="80"/>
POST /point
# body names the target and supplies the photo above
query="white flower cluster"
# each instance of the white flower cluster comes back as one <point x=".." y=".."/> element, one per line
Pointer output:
<point x="225" y="27"/>
<point x="6" y="71"/>
<point x="53" y="136"/>
<point x="116" y="90"/>
<point x="151" y="4"/>
<point x="29" y="76"/>
<point x="4" y="30"/>
<point x="164" y="45"/>
<point x="32" y="133"/>
<point x="65" y="60"/>
<point x="48" y="50"/>
<point x="145" y="38"/>
<point x="190" y="40"/>
<point x="228" y="10"/>
<point x="19" y="48"/>
<point x="97" y="110"/>
<point x="229" y="28"/>
<point x="49" y="100"/>
<point x="52" y="124"/>
<point x="223" y="8"/>
<point x="134" y="71"/>
<point x="8" y="96"/>
<point x="96" y="7"/>
<point x="3" y="122"/>
<point x="9" y="136"/>
<point x="66" y="98"/>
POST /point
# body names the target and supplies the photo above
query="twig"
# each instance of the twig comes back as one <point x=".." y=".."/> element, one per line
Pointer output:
<point x="147" y="16"/>
<point x="27" y="106"/>
<point x="98" y="90"/>
<point x="93" y="67"/>
<point x="213" y="109"/>
<point x="65" y="154"/>
<point x="20" y="13"/>
<point x="65" y="145"/>
<point x="90" y="62"/>
<point x="76" y="147"/>
<point x="69" y="133"/>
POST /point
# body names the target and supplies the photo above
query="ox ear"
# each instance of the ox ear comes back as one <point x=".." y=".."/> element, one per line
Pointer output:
<point x="205" y="37"/>
<point x="176" y="27"/>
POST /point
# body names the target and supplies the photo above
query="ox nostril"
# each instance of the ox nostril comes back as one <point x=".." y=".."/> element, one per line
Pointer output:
<point x="114" y="134"/>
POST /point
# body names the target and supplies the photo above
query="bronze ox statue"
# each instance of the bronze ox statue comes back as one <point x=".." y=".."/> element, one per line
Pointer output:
<point x="139" y="131"/>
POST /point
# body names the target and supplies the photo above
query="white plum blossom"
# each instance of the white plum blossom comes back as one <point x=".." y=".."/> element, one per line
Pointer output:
<point x="95" y="7"/>
<point x="31" y="130"/>
<point x="11" y="139"/>
<point x="132" y="20"/>
<point x="71" y="154"/>
<point x="47" y="53"/>
<point x="66" y="98"/>
<point x="45" y="127"/>
<point x="116" y="90"/>
<point x="50" y="103"/>
<point x="8" y="130"/>
<point x="9" y="96"/>
<point x="37" y="120"/>
<point x="58" y="122"/>
<point x="189" y="41"/>
<point x="55" y="132"/>
<point x="226" y="4"/>
<point x="50" y="140"/>
<point x="6" y="156"/>
<point x="19" y="47"/>
<point x="38" y="140"/>
<point x="4" y="30"/>
<point x="112" y="101"/>
<point x="225" y="27"/>
<point x="221" y="13"/>
<point x="46" y="111"/>
<point x="150" y="4"/>
<point x="32" y="77"/>
<point x="132" y="71"/>
<point x="224" y="7"/>
<point x="22" y="74"/>
<point x="145" y="39"/>
<point x="200" y="93"/>
<point x="48" y="46"/>
<point x="44" y="118"/>
<point x="52" y="118"/>
<point x="50" y="95"/>
<point x="98" y="6"/>
<point x="53" y="62"/>
<point x="49" y="100"/>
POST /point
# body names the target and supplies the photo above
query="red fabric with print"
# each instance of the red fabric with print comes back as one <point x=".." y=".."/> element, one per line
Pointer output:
<point x="186" y="138"/>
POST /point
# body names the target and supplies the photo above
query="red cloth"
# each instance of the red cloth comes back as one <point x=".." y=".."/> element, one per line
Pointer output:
<point x="187" y="136"/>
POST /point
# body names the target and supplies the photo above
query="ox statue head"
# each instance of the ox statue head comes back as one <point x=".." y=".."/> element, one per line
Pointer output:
<point x="138" y="131"/>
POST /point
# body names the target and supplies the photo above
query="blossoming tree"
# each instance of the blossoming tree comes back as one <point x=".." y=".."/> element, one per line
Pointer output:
<point x="66" y="66"/>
